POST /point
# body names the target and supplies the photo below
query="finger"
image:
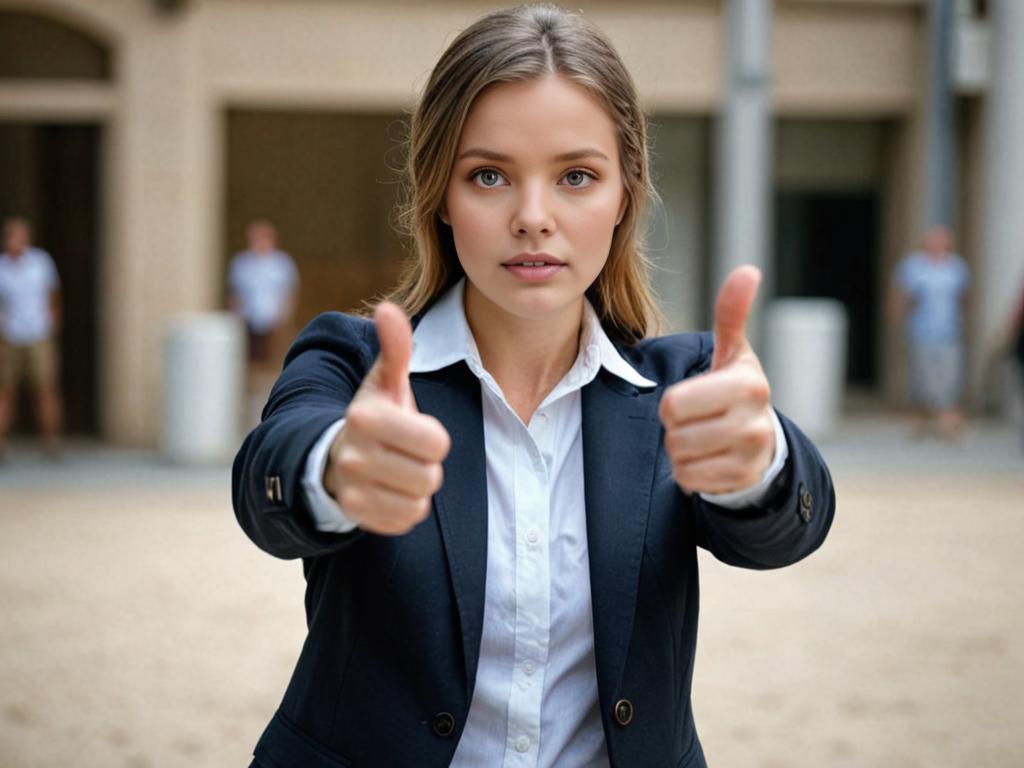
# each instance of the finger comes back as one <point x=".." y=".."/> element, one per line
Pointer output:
<point x="699" y="439"/>
<point x="389" y="469"/>
<point x="418" y="435"/>
<point x="713" y="394"/>
<point x="395" y="335"/>
<point x="382" y="510"/>
<point x="731" y="311"/>
<point x="742" y="433"/>
<point x="723" y="473"/>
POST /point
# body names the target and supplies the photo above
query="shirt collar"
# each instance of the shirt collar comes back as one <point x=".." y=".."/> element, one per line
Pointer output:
<point x="443" y="337"/>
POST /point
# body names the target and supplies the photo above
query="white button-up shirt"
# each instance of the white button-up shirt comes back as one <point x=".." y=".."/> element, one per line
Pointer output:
<point x="535" y="699"/>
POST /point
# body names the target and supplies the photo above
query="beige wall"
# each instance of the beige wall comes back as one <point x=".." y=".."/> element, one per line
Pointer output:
<point x="175" y="75"/>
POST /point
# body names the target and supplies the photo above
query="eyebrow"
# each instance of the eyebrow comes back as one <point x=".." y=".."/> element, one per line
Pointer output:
<point x="497" y="157"/>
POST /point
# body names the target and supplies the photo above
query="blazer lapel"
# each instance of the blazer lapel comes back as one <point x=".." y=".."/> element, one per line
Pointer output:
<point x="620" y="444"/>
<point x="461" y="504"/>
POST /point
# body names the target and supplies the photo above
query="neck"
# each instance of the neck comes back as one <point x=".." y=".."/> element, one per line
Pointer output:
<point x="526" y="356"/>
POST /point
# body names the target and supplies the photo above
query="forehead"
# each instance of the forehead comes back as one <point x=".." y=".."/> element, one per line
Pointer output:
<point x="536" y="118"/>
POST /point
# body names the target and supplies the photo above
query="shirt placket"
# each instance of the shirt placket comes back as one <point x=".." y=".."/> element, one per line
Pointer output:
<point x="532" y="595"/>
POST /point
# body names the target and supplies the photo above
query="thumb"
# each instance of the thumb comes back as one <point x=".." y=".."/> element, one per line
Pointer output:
<point x="395" y="335"/>
<point x="731" y="311"/>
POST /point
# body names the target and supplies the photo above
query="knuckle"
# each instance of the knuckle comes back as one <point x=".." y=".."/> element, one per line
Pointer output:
<point x="747" y="479"/>
<point x="683" y="475"/>
<point x="349" y="461"/>
<point x="667" y="409"/>
<point x="436" y="478"/>
<point x="421" y="509"/>
<point x="441" y="442"/>
<point x="390" y="528"/>
<point x="358" y="417"/>
<point x="754" y="437"/>
<point x="350" y="499"/>
<point x="757" y="390"/>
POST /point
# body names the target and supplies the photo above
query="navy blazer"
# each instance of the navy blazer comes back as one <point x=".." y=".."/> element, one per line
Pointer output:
<point x="386" y="674"/>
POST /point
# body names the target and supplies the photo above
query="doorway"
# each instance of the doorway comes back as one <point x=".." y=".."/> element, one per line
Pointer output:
<point x="54" y="182"/>
<point x="827" y="246"/>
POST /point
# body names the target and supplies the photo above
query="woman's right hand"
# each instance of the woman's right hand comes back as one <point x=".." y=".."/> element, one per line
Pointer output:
<point x="385" y="463"/>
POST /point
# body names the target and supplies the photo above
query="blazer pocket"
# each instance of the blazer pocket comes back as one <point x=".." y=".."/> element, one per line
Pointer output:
<point x="284" y="745"/>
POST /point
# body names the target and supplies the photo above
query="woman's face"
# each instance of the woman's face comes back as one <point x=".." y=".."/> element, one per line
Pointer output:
<point x="534" y="197"/>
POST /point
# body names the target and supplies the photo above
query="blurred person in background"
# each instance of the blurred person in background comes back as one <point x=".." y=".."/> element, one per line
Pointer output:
<point x="29" y="320"/>
<point x="928" y="294"/>
<point x="263" y="281"/>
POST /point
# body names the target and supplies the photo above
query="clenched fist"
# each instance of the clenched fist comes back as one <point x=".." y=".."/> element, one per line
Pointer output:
<point x="385" y="463"/>
<point x="718" y="427"/>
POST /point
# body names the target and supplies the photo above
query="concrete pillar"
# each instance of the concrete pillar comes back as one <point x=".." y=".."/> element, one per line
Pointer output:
<point x="1000" y="266"/>
<point x="941" y="191"/>
<point x="678" y="235"/>
<point x="159" y="262"/>
<point x="742" y="200"/>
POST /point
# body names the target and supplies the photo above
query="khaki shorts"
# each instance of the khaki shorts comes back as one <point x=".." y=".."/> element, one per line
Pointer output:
<point x="38" y="361"/>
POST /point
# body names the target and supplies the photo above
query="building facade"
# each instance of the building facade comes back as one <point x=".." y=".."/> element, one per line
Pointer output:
<point x="141" y="136"/>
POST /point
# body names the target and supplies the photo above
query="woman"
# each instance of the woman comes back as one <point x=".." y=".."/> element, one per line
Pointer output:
<point x="499" y="513"/>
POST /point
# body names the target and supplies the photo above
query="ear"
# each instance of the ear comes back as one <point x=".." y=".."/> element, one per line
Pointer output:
<point x="622" y="208"/>
<point x="442" y="214"/>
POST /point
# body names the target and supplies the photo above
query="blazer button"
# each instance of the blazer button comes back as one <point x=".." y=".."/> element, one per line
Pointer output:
<point x="624" y="712"/>
<point x="806" y="503"/>
<point x="444" y="724"/>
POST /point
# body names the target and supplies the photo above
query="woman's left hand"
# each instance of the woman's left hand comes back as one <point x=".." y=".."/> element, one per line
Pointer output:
<point x="719" y="433"/>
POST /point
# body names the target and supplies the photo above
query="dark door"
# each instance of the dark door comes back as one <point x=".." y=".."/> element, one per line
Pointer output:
<point x="56" y="187"/>
<point x="826" y="245"/>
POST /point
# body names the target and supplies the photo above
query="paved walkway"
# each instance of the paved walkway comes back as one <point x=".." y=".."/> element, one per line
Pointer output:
<point x="141" y="628"/>
<point x="863" y="444"/>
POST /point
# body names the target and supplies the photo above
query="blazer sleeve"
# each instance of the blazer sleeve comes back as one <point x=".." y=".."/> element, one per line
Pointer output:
<point x="322" y="371"/>
<point x="790" y="524"/>
<point x="792" y="520"/>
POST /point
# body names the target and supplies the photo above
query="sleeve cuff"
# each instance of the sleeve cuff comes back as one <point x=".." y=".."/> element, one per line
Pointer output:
<point x="326" y="513"/>
<point x="755" y="494"/>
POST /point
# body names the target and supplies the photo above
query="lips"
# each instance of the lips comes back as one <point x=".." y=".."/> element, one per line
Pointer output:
<point x="534" y="260"/>
<point x="534" y="267"/>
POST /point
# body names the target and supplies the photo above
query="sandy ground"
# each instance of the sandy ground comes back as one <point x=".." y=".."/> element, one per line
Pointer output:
<point x="141" y="628"/>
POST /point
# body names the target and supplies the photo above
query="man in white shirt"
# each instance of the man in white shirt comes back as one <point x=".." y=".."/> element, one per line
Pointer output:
<point x="29" y="320"/>
<point x="262" y="281"/>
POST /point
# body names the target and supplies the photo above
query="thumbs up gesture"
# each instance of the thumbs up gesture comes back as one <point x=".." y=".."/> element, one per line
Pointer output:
<point x="385" y="463"/>
<point x="718" y="428"/>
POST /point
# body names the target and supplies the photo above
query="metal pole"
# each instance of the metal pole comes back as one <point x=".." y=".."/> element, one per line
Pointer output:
<point x="742" y="226"/>
<point x="940" y="198"/>
<point x="1000" y="266"/>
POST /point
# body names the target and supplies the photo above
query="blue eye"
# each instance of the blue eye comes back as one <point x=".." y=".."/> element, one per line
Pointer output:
<point x="578" y="178"/>
<point x="488" y="177"/>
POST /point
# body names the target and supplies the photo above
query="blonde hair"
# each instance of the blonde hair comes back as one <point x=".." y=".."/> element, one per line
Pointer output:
<point x="513" y="45"/>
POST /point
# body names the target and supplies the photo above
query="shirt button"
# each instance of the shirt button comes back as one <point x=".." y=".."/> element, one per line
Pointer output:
<point x="522" y="744"/>
<point x="528" y="667"/>
<point x="532" y="536"/>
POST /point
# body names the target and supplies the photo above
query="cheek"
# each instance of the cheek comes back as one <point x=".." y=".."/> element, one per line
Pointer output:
<point x="473" y="227"/>
<point x="595" y="223"/>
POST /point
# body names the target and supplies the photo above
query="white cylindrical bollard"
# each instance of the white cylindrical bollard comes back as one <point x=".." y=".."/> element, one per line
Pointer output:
<point x="204" y="387"/>
<point x="805" y="359"/>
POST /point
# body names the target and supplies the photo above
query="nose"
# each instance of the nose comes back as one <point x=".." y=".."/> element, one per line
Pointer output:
<point x="533" y="214"/>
